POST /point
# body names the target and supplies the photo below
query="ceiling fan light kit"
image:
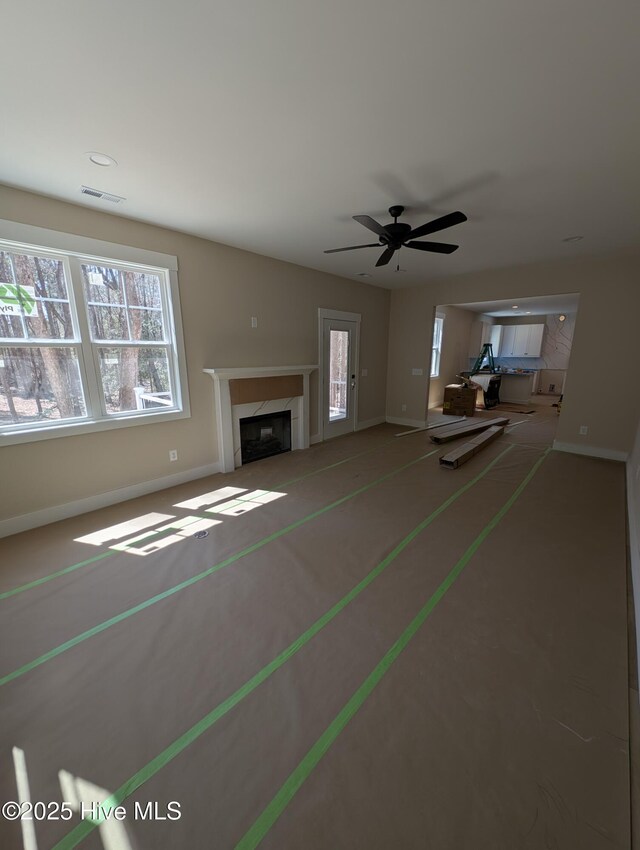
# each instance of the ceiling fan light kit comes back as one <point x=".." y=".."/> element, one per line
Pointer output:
<point x="399" y="234"/>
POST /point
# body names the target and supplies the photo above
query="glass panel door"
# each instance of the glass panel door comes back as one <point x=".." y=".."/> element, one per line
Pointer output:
<point x="339" y="379"/>
<point x="338" y="374"/>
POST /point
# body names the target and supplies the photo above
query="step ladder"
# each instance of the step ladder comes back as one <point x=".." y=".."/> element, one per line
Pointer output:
<point x="485" y="365"/>
<point x="485" y="354"/>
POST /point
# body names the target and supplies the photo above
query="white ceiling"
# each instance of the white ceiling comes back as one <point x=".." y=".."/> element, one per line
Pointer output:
<point x="541" y="305"/>
<point x="267" y="125"/>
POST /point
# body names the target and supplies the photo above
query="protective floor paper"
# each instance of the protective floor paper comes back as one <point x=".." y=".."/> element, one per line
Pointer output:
<point x="277" y="682"/>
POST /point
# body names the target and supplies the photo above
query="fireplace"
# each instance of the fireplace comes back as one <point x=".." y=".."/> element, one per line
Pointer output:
<point x="246" y="391"/>
<point x="265" y="435"/>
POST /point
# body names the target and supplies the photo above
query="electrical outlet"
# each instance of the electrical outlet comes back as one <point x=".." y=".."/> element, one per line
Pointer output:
<point x="173" y="455"/>
<point x="364" y="373"/>
<point x="584" y="430"/>
<point x="404" y="408"/>
<point x="416" y="371"/>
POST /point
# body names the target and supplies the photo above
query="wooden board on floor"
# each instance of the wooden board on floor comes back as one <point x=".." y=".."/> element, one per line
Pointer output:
<point x="445" y="421"/>
<point x="456" y="457"/>
<point x="445" y="435"/>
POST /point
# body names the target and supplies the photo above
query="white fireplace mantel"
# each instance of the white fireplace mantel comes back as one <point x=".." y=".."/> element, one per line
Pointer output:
<point x="225" y="414"/>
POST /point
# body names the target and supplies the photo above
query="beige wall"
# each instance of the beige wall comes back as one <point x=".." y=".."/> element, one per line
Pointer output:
<point x="599" y="390"/>
<point x="454" y="358"/>
<point x="220" y="289"/>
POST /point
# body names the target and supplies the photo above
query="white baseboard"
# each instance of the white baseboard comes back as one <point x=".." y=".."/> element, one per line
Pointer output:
<point x="590" y="451"/>
<point x="315" y="438"/>
<point x="24" y="522"/>
<point x="369" y="423"/>
<point x="409" y="423"/>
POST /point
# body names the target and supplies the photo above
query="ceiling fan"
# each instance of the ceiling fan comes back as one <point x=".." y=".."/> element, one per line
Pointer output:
<point x="397" y="235"/>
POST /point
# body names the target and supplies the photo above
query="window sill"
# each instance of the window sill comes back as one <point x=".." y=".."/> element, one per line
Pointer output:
<point x="71" y="429"/>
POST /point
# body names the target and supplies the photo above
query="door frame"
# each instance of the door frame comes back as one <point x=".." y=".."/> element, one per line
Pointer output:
<point x="340" y="316"/>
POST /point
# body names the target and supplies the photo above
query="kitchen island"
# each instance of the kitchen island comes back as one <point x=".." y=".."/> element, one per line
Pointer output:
<point x="517" y="387"/>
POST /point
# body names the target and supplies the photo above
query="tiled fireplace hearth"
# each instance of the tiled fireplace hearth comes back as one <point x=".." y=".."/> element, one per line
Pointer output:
<point x="253" y="391"/>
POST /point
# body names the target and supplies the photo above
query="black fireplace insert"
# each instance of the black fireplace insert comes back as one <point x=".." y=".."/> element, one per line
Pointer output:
<point x="265" y="435"/>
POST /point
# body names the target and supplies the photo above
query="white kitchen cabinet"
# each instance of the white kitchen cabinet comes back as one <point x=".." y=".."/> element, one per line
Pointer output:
<point x="534" y="341"/>
<point x="496" y="339"/>
<point x="508" y="336"/>
<point x="521" y="340"/>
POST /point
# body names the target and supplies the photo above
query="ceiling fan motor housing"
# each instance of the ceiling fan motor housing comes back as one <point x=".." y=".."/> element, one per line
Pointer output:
<point x="397" y="234"/>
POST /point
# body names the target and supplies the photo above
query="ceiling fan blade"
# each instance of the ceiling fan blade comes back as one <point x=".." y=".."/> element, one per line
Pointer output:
<point x="436" y="247"/>
<point x="438" y="224"/>
<point x="352" y="248"/>
<point x="386" y="256"/>
<point x="371" y="223"/>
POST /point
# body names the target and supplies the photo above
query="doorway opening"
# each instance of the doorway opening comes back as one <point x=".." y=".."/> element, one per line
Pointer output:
<point x="530" y="341"/>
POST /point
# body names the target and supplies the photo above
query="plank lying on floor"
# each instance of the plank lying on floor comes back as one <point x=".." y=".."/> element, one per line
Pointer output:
<point x="430" y="425"/>
<point x="456" y="457"/>
<point x="444" y="436"/>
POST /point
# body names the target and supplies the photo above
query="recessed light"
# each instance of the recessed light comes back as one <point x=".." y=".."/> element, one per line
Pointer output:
<point x="573" y="238"/>
<point x="102" y="159"/>
<point x="528" y="312"/>
<point x="363" y="274"/>
<point x="515" y="307"/>
<point x="562" y="317"/>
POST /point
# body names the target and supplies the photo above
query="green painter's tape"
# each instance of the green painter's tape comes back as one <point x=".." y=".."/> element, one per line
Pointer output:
<point x="291" y="786"/>
<point x="64" y="571"/>
<point x="36" y="582"/>
<point x="333" y="465"/>
<point x="112" y="621"/>
<point x="151" y="768"/>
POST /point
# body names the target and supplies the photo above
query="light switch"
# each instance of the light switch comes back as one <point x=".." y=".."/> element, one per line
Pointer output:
<point x="254" y="321"/>
<point x="364" y="373"/>
<point x="416" y="371"/>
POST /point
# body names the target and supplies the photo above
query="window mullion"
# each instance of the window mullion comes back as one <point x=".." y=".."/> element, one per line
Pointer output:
<point x="126" y="302"/>
<point x="88" y="356"/>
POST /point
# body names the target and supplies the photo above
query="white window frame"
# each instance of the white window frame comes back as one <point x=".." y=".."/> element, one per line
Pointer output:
<point x="73" y="250"/>
<point x="436" y="347"/>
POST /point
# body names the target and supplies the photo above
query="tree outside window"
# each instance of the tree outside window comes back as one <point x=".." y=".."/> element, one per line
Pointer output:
<point x="82" y="340"/>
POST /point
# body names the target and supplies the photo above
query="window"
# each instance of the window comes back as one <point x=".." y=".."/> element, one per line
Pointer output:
<point x="85" y="343"/>
<point x="437" y="346"/>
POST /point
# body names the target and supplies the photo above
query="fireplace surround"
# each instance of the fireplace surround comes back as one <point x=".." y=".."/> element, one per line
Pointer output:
<point x="247" y="391"/>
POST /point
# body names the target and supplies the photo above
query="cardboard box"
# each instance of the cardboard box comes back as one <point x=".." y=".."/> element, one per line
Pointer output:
<point x="459" y="400"/>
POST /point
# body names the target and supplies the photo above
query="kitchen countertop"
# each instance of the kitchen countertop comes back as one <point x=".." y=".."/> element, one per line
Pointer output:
<point x="521" y="372"/>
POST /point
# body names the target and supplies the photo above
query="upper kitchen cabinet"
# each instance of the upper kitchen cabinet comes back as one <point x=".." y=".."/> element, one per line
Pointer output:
<point x="521" y="340"/>
<point x="496" y="339"/>
<point x="508" y="337"/>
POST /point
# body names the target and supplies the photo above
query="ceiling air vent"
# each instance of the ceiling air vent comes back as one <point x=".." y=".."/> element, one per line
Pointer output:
<point x="103" y="196"/>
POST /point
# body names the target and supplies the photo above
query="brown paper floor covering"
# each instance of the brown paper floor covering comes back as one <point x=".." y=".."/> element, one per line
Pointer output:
<point x="502" y="725"/>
